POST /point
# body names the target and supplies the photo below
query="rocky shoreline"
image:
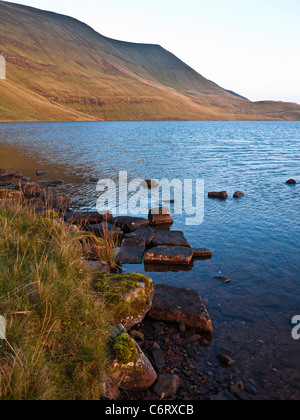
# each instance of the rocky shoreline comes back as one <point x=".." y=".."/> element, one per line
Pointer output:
<point x="168" y="337"/>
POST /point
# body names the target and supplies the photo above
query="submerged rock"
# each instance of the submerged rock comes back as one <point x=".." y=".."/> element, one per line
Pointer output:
<point x="173" y="304"/>
<point x="222" y="195"/>
<point x="223" y="279"/>
<point x="177" y="255"/>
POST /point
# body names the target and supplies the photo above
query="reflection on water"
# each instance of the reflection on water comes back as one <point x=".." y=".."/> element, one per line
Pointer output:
<point x="255" y="240"/>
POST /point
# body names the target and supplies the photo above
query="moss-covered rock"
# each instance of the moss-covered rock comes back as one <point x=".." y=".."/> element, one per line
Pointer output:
<point x="130" y="368"/>
<point x="125" y="349"/>
<point x="128" y="296"/>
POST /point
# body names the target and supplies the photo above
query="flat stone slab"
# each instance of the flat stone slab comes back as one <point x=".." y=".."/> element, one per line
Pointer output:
<point x="173" y="304"/>
<point x="142" y="234"/>
<point x="86" y="217"/>
<point x="178" y="255"/>
<point x="202" y="253"/>
<point x="160" y="216"/>
<point x="129" y="224"/>
<point x="131" y="252"/>
<point x="170" y="238"/>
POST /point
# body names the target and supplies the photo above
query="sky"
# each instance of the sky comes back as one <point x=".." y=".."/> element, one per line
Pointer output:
<point x="249" y="46"/>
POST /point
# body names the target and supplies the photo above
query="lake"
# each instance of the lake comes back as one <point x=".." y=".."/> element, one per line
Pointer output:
<point x="255" y="240"/>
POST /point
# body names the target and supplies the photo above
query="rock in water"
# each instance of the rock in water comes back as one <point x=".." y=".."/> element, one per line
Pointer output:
<point x="160" y="216"/>
<point x="131" y="252"/>
<point x="222" y="195"/>
<point x="173" y="304"/>
<point x="291" y="182"/>
<point x="202" y="253"/>
<point x="41" y="173"/>
<point x="170" y="238"/>
<point x="178" y="255"/>
<point x="238" y="194"/>
<point x="150" y="183"/>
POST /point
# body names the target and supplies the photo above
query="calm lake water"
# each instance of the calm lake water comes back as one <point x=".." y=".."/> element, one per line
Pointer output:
<point x="255" y="240"/>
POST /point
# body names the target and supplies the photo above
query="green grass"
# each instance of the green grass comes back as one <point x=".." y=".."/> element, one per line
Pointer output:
<point x="56" y="346"/>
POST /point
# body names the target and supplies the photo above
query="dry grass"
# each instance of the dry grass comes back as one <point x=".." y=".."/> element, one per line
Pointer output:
<point x="56" y="346"/>
<point x="107" y="247"/>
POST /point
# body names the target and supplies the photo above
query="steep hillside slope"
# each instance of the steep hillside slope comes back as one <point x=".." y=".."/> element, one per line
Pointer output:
<point x="59" y="69"/>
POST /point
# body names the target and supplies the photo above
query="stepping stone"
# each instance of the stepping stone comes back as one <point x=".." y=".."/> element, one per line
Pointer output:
<point x="178" y="255"/>
<point x="131" y="252"/>
<point x="170" y="238"/>
<point x="129" y="224"/>
<point x="177" y="305"/>
<point x="144" y="233"/>
<point x="86" y="217"/>
<point x="160" y="216"/>
<point x="202" y="253"/>
<point x="98" y="228"/>
<point x="222" y="195"/>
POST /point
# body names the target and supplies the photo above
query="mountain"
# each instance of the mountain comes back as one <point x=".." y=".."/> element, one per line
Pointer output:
<point x="60" y="69"/>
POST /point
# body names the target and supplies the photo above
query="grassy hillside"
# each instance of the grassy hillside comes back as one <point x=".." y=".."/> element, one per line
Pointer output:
<point x="59" y="69"/>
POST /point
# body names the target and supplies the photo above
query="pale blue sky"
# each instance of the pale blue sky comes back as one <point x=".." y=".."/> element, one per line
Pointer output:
<point x="249" y="46"/>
